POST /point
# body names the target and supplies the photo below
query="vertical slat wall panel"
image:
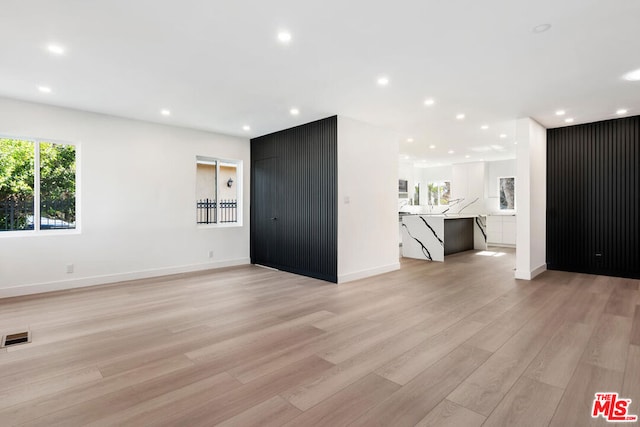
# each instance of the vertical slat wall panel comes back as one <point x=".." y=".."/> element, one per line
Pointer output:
<point x="593" y="198"/>
<point x="307" y="241"/>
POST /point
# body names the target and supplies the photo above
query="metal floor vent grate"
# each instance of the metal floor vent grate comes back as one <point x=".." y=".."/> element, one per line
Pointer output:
<point x="15" y="339"/>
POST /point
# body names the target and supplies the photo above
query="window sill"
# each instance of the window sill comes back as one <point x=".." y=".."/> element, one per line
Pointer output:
<point x="226" y="225"/>
<point x="41" y="233"/>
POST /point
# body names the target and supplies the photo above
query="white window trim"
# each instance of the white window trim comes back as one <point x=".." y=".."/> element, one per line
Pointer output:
<point x="211" y="160"/>
<point x="37" y="232"/>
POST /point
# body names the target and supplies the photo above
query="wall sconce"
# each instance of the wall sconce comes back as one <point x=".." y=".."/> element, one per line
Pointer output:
<point x="230" y="182"/>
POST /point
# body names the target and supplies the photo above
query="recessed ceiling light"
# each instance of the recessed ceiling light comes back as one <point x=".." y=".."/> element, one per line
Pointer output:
<point x="503" y="135"/>
<point x="284" y="37"/>
<point x="515" y="143"/>
<point x="409" y="139"/>
<point x="482" y="160"/>
<point x="383" y="81"/>
<point x="467" y="156"/>
<point x="429" y="102"/>
<point x="460" y="116"/>
<point x="541" y="28"/>
<point x="294" y="111"/>
<point x="632" y="75"/>
<point x="246" y="128"/>
<point x="44" y="89"/>
<point x="432" y="146"/>
<point x="165" y="112"/>
<point x="484" y="127"/>
<point x="569" y="120"/>
<point x="621" y="111"/>
<point x="560" y="113"/>
<point x="450" y="151"/>
<point x="55" y="49"/>
<point x="407" y="157"/>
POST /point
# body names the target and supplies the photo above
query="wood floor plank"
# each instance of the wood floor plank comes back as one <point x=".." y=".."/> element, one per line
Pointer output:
<point x="577" y="402"/>
<point x="41" y="407"/>
<point x="557" y="360"/>
<point x="529" y="403"/>
<point x="207" y="409"/>
<point x="274" y="412"/>
<point x="608" y="345"/>
<point x="345" y="406"/>
<point x="622" y="302"/>
<point x="449" y="414"/>
<point x="410" y="404"/>
<point x="631" y="384"/>
<point x="635" y="331"/>
<point x="351" y="370"/>
<point x="407" y="366"/>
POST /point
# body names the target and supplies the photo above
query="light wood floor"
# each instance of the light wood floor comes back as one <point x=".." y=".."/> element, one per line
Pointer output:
<point x="459" y="343"/>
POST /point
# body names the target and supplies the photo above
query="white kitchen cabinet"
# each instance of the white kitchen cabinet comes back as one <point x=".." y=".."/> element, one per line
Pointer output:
<point x="501" y="230"/>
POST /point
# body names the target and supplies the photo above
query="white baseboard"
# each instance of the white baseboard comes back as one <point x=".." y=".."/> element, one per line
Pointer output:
<point x="349" y="277"/>
<point x="38" y="288"/>
<point x="529" y="275"/>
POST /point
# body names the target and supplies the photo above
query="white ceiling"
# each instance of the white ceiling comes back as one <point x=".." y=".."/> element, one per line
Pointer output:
<point x="217" y="65"/>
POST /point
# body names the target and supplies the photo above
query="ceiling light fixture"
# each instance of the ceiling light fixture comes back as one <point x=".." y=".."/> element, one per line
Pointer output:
<point x="484" y="127"/>
<point x="460" y="116"/>
<point x="560" y="113"/>
<point x="409" y="139"/>
<point x="503" y="135"/>
<point x="294" y="111"/>
<point x="284" y="37"/>
<point x="541" y="28"/>
<point x="165" y="112"/>
<point x="55" y="49"/>
<point x="44" y="89"/>
<point x="569" y="120"/>
<point x="246" y="128"/>
<point x="432" y="146"/>
<point x="621" y="112"/>
<point x="450" y="151"/>
<point x="429" y="102"/>
<point x="383" y="81"/>
<point x="467" y="156"/>
<point x="632" y="76"/>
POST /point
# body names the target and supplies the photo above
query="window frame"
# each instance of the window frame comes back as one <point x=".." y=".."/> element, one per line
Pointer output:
<point x="439" y="184"/>
<point x="37" y="231"/>
<point x="210" y="160"/>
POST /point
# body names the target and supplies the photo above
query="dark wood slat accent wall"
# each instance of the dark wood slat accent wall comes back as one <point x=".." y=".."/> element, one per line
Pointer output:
<point x="593" y="198"/>
<point x="294" y="179"/>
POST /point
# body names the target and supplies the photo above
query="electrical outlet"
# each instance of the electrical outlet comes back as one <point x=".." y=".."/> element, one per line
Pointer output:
<point x="69" y="268"/>
<point x="210" y="254"/>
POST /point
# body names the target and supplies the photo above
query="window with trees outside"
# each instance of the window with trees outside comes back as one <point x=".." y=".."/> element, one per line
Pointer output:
<point x="217" y="191"/>
<point x="37" y="185"/>
<point x="439" y="193"/>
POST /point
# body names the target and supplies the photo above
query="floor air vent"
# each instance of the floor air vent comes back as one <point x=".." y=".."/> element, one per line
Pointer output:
<point x="15" y="339"/>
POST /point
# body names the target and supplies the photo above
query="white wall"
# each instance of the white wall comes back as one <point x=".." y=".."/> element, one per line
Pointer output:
<point x="367" y="200"/>
<point x="531" y="185"/>
<point x="137" y="203"/>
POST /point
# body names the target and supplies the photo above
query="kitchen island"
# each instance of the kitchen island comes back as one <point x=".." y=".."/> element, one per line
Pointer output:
<point x="431" y="237"/>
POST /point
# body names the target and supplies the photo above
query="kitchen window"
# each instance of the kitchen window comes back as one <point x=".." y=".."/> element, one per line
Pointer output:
<point x="439" y="193"/>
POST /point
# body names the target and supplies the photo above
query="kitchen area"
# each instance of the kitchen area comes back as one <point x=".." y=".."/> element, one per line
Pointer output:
<point x="448" y="209"/>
